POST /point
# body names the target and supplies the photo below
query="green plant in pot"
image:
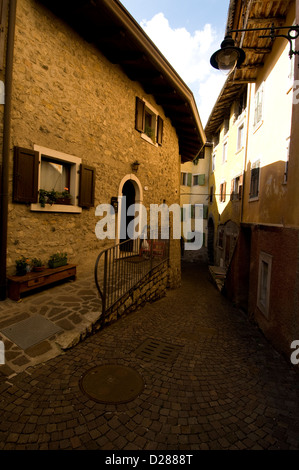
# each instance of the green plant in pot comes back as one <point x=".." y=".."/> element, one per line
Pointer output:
<point x="57" y="259"/>
<point x="22" y="266"/>
<point x="54" y="197"/>
<point x="37" y="264"/>
<point x="47" y="197"/>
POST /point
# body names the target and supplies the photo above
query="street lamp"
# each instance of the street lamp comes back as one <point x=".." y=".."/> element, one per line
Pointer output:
<point x="229" y="56"/>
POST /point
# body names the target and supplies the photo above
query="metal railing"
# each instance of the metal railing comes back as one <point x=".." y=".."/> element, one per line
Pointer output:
<point x="119" y="268"/>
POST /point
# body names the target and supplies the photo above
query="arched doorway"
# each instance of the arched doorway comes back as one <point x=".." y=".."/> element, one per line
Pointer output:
<point x="128" y="199"/>
<point x="211" y="232"/>
<point x="130" y="192"/>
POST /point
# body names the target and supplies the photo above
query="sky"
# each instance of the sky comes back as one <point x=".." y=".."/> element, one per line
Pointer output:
<point x="187" y="33"/>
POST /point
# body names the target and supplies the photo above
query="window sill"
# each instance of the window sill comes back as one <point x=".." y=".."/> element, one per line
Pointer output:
<point x="56" y="208"/>
<point x="149" y="140"/>
<point x="239" y="150"/>
<point x="257" y="126"/>
<point x="253" y="199"/>
<point x="263" y="309"/>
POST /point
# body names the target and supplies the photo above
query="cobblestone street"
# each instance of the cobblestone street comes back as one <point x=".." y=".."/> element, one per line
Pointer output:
<point x="222" y="387"/>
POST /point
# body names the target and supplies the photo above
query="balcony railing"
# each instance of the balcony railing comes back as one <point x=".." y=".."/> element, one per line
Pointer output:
<point x="119" y="268"/>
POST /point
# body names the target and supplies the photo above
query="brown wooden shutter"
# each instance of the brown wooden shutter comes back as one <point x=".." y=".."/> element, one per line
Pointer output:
<point x="232" y="187"/>
<point x="240" y="186"/>
<point x="224" y="192"/>
<point x="25" y="176"/>
<point x="139" y="116"/>
<point x="87" y="186"/>
<point x="3" y="21"/>
<point x="159" y="130"/>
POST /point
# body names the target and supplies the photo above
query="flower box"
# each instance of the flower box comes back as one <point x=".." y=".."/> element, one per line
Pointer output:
<point x="57" y="264"/>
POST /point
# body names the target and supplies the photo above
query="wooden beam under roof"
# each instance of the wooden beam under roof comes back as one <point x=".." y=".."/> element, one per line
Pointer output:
<point x="257" y="50"/>
<point x="279" y="20"/>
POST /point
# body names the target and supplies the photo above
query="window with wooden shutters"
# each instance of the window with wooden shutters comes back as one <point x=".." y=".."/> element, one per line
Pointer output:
<point x="47" y="170"/>
<point x="236" y="188"/>
<point x="87" y="186"/>
<point x="148" y="122"/>
<point x="222" y="196"/>
<point x="25" y="175"/>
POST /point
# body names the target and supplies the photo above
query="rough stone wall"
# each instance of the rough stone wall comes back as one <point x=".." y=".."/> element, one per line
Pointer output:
<point x="151" y="288"/>
<point x="68" y="97"/>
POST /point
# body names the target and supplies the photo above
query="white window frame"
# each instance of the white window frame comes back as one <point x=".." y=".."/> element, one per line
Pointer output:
<point x="224" y="153"/>
<point x="184" y="178"/>
<point x="240" y="141"/>
<point x="154" y="113"/>
<point x="74" y="183"/>
<point x="213" y="162"/>
<point x="263" y="302"/>
<point x="236" y="189"/>
<point x="254" y="165"/>
<point x="259" y="99"/>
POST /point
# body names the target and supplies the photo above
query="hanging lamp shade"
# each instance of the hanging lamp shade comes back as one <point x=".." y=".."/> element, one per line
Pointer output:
<point x="228" y="56"/>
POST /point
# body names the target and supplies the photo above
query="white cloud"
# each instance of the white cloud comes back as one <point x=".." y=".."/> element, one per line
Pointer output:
<point x="189" y="54"/>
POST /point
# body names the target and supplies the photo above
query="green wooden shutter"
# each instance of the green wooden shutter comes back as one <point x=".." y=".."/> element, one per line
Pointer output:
<point x="87" y="186"/>
<point x="182" y="214"/>
<point x="205" y="211"/>
<point x="25" y="175"/>
<point x="189" y="181"/>
<point x="201" y="180"/>
<point x="139" y="115"/>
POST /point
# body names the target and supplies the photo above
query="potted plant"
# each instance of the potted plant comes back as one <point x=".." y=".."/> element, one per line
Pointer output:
<point x="37" y="265"/>
<point x="57" y="259"/>
<point x="64" y="197"/>
<point x="54" y="197"/>
<point x="22" y="266"/>
<point x="47" y="197"/>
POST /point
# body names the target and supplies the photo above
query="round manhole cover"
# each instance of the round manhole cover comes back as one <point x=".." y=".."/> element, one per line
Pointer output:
<point x="112" y="384"/>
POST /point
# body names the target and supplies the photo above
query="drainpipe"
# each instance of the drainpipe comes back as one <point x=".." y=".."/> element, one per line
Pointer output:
<point x="6" y="146"/>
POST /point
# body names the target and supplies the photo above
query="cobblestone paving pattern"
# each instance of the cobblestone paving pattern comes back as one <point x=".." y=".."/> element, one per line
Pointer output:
<point x="224" y="388"/>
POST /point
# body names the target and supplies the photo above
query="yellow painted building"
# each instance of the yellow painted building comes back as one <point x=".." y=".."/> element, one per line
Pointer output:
<point x="253" y="222"/>
<point x="194" y="190"/>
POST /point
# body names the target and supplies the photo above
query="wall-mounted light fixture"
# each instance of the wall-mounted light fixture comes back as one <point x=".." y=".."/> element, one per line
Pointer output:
<point x="228" y="57"/>
<point x="135" y="166"/>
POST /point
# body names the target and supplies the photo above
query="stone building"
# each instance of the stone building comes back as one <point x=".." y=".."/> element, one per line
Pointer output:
<point x="87" y="94"/>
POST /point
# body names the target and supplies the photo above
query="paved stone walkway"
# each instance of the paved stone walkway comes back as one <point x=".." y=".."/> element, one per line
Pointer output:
<point x="73" y="306"/>
<point x="223" y="386"/>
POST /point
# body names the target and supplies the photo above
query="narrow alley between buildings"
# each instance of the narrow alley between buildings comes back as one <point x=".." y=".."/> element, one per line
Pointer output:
<point x="208" y="379"/>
